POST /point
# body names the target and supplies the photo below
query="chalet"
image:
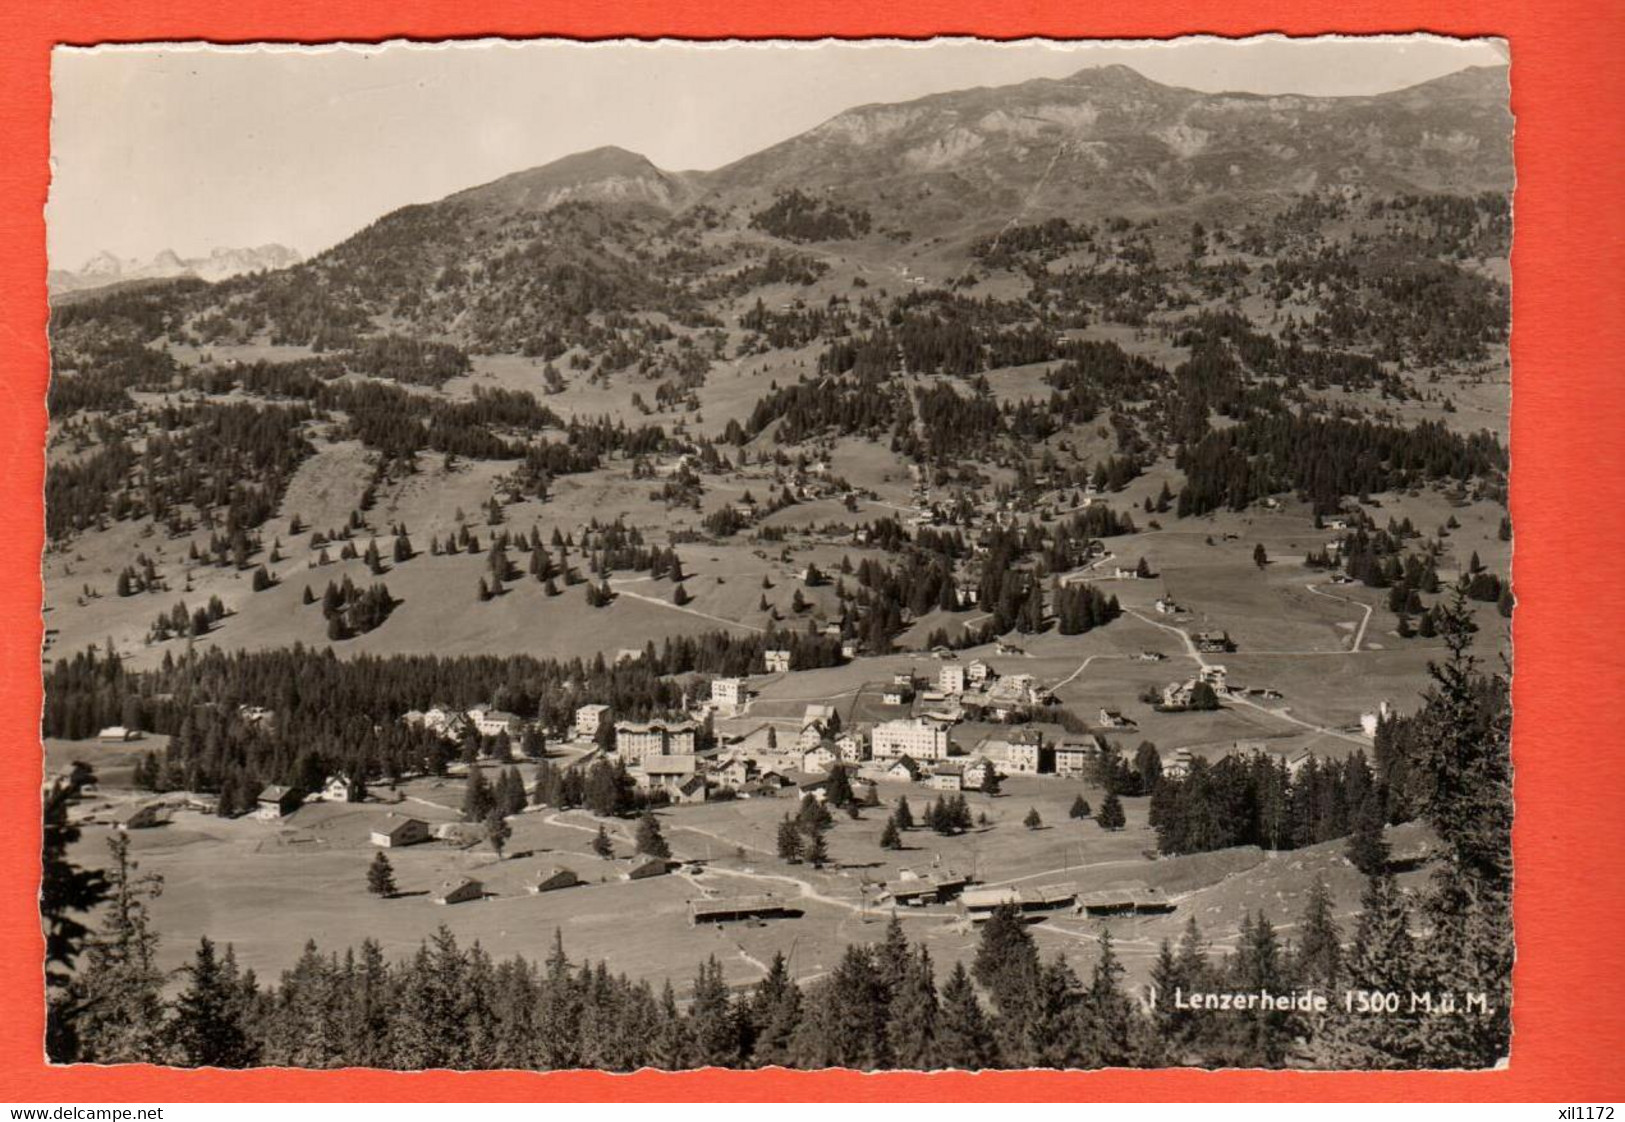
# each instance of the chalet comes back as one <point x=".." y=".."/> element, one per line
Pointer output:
<point x="628" y="654"/>
<point x="772" y="782"/>
<point x="776" y="661"/>
<point x="979" y="773"/>
<point x="818" y="760"/>
<point x="342" y="789"/>
<point x="903" y="770"/>
<point x="645" y="867"/>
<point x="460" y="891"/>
<point x="665" y="773"/>
<point x="446" y="723"/>
<point x="118" y="734"/>
<point x="951" y="679"/>
<point x="849" y="649"/>
<point x="903" y="678"/>
<point x="553" y="879"/>
<point x="1213" y="642"/>
<point x="1075" y="759"/>
<point x="1178" y="766"/>
<point x="817" y="715"/>
<point x="588" y="720"/>
<point x="728" y="694"/>
<point x="278" y="802"/>
<point x="1150" y="656"/>
<point x="1214" y="676"/>
<point x="735" y="772"/>
<point x="811" y="737"/>
<point x="1166" y="606"/>
<point x="1028" y="756"/>
<point x="897" y="695"/>
<point x="977" y="672"/>
<point x="398" y="830"/>
<point x="490" y="722"/>
<point x="1003" y="648"/>
<point x="852" y="747"/>
<point x="1177" y="695"/>
<point x="1114" y="719"/>
<point x="736" y="908"/>
<point x="946" y="779"/>
<point x="1370" y="721"/>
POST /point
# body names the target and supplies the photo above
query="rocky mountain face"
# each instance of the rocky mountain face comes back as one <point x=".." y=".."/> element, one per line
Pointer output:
<point x="106" y="268"/>
<point x="1104" y="140"/>
<point x="1109" y="140"/>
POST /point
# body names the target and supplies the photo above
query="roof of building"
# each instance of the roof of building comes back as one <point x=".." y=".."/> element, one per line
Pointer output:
<point x="655" y="726"/>
<point x="669" y="765"/>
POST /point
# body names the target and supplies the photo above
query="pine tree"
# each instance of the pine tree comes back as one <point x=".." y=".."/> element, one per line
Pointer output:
<point x="789" y="840"/>
<point x="601" y="845"/>
<point x="649" y="838"/>
<point x="816" y="849"/>
<point x="964" y="1040"/>
<point x="712" y="1025"/>
<point x="912" y="1014"/>
<point x="903" y="815"/>
<point x="1079" y="808"/>
<point x="889" y="837"/>
<point x="478" y="799"/>
<point x="497" y="830"/>
<point x="775" y="1011"/>
<point x="118" y="993"/>
<point x="1111" y="815"/>
<point x="1007" y="959"/>
<point x="381" y="877"/>
<point x="208" y="1029"/>
<point x="1034" y="820"/>
<point x="66" y="891"/>
<point x="1367" y="850"/>
<point x="1319" y="957"/>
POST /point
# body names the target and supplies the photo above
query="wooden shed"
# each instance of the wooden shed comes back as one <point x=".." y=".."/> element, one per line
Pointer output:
<point x="459" y="891"/>
<point x="549" y="880"/>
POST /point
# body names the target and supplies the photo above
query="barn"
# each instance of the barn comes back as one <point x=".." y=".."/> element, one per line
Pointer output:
<point x="460" y="891"/>
<point x="734" y="909"/>
<point x="549" y="880"/>
<point x="648" y="867"/>
<point x="397" y="830"/>
<point x="278" y="802"/>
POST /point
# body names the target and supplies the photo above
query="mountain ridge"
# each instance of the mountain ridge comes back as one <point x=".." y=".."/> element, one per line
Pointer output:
<point x="221" y="263"/>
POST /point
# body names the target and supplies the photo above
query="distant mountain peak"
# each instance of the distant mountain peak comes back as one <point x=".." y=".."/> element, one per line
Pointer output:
<point x="606" y="174"/>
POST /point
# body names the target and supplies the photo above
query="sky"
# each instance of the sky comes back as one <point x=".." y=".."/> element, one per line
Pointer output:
<point x="188" y="147"/>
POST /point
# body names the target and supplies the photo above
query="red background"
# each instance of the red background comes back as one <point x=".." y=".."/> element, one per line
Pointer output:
<point x="1567" y="496"/>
